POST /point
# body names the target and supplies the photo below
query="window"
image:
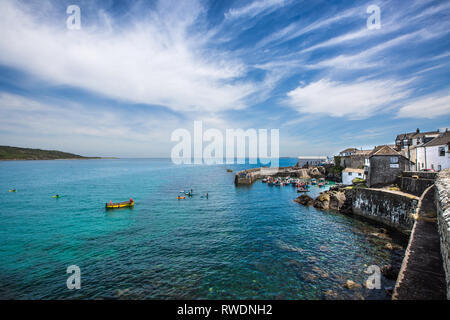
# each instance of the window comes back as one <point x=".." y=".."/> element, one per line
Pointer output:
<point x="349" y="173"/>
<point x="441" y="152"/>
<point x="439" y="167"/>
<point x="359" y="174"/>
<point x="394" y="162"/>
<point x="432" y="167"/>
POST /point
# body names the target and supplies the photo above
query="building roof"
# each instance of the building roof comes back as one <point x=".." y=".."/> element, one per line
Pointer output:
<point x="415" y="134"/>
<point x="385" y="151"/>
<point x="442" y="139"/>
<point x="349" y="150"/>
<point x="363" y="152"/>
<point x="354" y="170"/>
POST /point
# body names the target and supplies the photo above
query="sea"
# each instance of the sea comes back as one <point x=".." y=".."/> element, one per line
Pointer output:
<point x="242" y="242"/>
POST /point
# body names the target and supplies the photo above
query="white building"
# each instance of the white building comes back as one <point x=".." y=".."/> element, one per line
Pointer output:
<point x="311" y="161"/>
<point x="434" y="155"/>
<point x="348" y="174"/>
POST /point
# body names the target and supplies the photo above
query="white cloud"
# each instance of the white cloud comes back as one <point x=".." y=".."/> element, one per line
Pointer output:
<point x="297" y="29"/>
<point x="353" y="100"/>
<point x="426" y="107"/>
<point x="254" y="8"/>
<point x="158" y="61"/>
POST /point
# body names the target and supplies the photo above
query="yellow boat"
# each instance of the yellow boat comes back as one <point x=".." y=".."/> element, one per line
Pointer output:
<point x="179" y="198"/>
<point x="124" y="204"/>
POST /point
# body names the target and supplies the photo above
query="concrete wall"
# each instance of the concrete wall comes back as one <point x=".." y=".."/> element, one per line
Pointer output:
<point x="393" y="209"/>
<point x="381" y="172"/>
<point x="442" y="194"/>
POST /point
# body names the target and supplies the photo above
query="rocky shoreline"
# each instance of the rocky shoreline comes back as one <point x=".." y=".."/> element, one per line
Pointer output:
<point x="336" y="198"/>
<point x="339" y="198"/>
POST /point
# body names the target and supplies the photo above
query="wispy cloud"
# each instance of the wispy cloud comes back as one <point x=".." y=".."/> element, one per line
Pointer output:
<point x="426" y="107"/>
<point x="352" y="100"/>
<point x="155" y="61"/>
<point x="255" y="8"/>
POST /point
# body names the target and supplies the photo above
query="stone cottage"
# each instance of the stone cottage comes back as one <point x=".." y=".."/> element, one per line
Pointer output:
<point x="385" y="164"/>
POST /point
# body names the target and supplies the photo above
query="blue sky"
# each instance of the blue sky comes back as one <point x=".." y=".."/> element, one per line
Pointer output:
<point x="136" y="71"/>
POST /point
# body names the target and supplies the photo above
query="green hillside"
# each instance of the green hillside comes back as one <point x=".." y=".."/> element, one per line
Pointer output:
<point x="14" y="153"/>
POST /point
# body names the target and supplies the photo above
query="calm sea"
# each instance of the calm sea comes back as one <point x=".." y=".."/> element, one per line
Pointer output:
<point x="242" y="243"/>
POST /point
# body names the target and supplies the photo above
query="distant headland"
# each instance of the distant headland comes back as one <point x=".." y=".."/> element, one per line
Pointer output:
<point x="15" y="153"/>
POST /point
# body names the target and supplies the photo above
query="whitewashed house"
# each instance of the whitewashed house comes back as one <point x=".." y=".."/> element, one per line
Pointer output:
<point x="348" y="174"/>
<point x="434" y="155"/>
<point x="311" y="161"/>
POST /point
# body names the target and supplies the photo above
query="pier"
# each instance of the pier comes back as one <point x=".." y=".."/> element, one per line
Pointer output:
<point x="247" y="177"/>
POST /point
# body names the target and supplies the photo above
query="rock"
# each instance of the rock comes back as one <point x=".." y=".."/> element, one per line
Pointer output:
<point x="350" y="284"/>
<point x="119" y="293"/>
<point x="331" y="294"/>
<point x="314" y="172"/>
<point x="310" y="277"/>
<point x="337" y="200"/>
<point x="389" y="272"/>
<point x="305" y="200"/>
<point x="321" y="272"/>
<point x="380" y="235"/>
<point x="392" y="246"/>
<point x="322" y="201"/>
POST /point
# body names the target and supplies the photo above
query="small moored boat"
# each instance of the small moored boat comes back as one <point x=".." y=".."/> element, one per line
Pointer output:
<point x="112" y="205"/>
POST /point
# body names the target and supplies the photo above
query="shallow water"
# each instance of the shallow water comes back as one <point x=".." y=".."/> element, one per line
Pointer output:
<point x="249" y="242"/>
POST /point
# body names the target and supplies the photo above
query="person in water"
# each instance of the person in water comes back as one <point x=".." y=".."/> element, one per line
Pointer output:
<point x="131" y="200"/>
<point x="207" y="195"/>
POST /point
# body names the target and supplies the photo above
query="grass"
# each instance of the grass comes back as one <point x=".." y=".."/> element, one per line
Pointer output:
<point x="14" y="153"/>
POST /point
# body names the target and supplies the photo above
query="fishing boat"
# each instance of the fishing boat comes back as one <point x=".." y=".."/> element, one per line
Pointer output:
<point x="302" y="190"/>
<point x="116" y="205"/>
<point x="313" y="181"/>
<point x="321" y="184"/>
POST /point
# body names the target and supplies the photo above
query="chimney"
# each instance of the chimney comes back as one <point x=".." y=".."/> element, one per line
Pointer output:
<point x="418" y="130"/>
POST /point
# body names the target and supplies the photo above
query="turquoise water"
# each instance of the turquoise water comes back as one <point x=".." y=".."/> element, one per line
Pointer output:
<point x="249" y="242"/>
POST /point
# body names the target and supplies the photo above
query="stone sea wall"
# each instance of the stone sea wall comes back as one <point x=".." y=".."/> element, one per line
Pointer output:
<point x="249" y="176"/>
<point x="442" y="198"/>
<point x="416" y="182"/>
<point x="391" y="208"/>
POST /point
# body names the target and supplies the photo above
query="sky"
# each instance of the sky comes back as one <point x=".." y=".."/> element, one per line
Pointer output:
<point x="138" y="70"/>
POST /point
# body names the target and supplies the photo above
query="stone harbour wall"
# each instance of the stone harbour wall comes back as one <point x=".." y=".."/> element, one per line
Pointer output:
<point x="442" y="198"/>
<point x="416" y="182"/>
<point x="391" y="208"/>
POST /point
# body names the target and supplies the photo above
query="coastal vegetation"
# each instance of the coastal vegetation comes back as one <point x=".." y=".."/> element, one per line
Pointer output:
<point x="15" y="153"/>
